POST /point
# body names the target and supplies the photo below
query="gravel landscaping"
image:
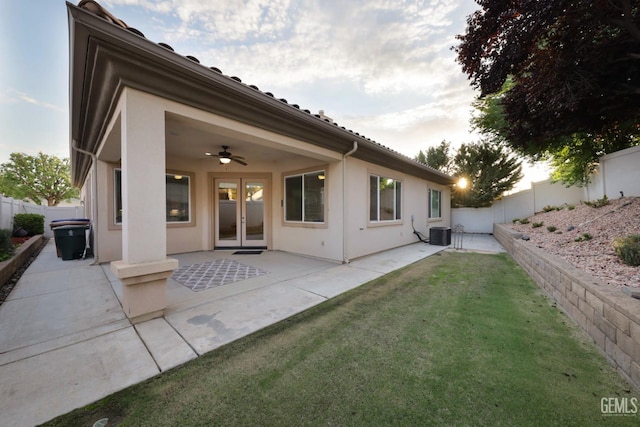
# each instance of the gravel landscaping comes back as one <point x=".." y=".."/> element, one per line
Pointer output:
<point x="584" y="235"/>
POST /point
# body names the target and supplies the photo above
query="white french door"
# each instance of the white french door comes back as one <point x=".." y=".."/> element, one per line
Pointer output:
<point x="240" y="213"/>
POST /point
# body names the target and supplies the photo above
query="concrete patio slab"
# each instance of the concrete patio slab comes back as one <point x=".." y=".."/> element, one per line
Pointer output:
<point x="42" y="317"/>
<point x="35" y="389"/>
<point x="210" y="325"/>
<point x="334" y="281"/>
<point x="167" y="348"/>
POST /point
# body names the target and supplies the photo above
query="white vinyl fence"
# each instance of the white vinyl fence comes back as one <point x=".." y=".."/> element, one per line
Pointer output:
<point x="518" y="205"/>
<point x="617" y="172"/>
<point x="9" y="207"/>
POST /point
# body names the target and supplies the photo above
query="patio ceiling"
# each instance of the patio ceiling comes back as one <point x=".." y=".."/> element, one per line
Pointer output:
<point x="190" y="139"/>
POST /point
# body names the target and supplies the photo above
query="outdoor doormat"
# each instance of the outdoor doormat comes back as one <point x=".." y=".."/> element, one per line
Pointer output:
<point x="247" y="253"/>
<point x="200" y="277"/>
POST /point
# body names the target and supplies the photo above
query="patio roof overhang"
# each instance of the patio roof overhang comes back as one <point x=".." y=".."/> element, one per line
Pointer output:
<point x="105" y="58"/>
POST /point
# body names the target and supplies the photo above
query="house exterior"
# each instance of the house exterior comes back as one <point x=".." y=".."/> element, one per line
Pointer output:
<point x="142" y="119"/>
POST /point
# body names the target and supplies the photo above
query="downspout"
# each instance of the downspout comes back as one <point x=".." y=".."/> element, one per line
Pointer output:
<point x="345" y="240"/>
<point x="94" y="197"/>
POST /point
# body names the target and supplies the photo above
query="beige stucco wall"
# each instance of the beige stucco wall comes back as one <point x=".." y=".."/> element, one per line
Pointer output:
<point x="364" y="237"/>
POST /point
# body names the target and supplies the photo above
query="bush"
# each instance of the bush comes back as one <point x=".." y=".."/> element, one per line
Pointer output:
<point x="628" y="249"/>
<point x="571" y="207"/>
<point x="551" y="228"/>
<point x="598" y="203"/>
<point x="524" y="221"/>
<point x="551" y="208"/>
<point x="583" y="238"/>
<point x="514" y="220"/>
<point x="6" y="246"/>
<point x="537" y="224"/>
<point x="32" y="223"/>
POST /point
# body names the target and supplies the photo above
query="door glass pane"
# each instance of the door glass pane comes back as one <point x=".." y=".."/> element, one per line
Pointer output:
<point x="254" y="210"/>
<point x="227" y="210"/>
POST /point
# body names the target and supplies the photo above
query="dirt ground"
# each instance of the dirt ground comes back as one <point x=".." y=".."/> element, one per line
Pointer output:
<point x="594" y="254"/>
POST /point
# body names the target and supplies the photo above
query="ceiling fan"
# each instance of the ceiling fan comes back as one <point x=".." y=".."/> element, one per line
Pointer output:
<point x="226" y="157"/>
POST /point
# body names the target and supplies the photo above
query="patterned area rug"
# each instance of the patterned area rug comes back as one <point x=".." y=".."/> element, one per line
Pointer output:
<point x="199" y="277"/>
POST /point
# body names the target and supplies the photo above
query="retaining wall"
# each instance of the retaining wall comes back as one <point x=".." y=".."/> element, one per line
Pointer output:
<point x="22" y="254"/>
<point x="609" y="316"/>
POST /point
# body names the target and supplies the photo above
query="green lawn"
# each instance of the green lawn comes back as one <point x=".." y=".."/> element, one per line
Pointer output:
<point x="455" y="339"/>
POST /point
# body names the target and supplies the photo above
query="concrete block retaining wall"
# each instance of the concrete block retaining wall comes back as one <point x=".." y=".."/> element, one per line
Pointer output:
<point x="21" y="255"/>
<point x="609" y="316"/>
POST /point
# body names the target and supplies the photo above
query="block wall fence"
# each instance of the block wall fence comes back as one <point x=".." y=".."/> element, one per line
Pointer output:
<point x="609" y="316"/>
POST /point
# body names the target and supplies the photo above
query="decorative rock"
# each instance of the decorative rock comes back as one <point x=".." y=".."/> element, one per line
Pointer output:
<point x="571" y="227"/>
<point x="526" y="238"/>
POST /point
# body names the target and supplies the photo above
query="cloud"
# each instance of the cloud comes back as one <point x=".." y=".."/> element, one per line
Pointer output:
<point x="13" y="96"/>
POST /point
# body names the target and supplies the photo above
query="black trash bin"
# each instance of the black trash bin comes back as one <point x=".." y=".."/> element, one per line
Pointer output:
<point x="71" y="241"/>
<point x="440" y="236"/>
<point x="67" y="221"/>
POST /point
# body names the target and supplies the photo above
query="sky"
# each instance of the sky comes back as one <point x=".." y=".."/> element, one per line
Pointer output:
<point x="382" y="68"/>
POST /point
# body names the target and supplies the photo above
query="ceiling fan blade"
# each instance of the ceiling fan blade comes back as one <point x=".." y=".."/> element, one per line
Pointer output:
<point x="237" y="160"/>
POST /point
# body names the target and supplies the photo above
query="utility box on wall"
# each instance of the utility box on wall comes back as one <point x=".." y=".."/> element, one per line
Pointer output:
<point x="440" y="236"/>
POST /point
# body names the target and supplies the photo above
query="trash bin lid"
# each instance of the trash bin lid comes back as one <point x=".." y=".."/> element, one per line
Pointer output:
<point x="68" y="227"/>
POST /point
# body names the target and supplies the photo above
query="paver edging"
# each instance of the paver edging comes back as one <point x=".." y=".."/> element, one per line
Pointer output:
<point x="609" y="316"/>
<point x="21" y="255"/>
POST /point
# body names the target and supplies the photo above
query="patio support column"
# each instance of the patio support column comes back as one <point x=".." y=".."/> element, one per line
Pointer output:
<point x="145" y="267"/>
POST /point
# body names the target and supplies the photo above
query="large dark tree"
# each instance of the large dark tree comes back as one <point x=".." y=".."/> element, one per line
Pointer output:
<point x="575" y="66"/>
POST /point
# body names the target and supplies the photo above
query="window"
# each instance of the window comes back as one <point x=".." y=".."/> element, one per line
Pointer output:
<point x="178" y="193"/>
<point x="304" y="197"/>
<point x="178" y="198"/>
<point x="385" y="201"/>
<point x="435" y="205"/>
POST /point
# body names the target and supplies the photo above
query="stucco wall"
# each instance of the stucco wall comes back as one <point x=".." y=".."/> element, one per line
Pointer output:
<point x="610" y="317"/>
<point x="364" y="237"/>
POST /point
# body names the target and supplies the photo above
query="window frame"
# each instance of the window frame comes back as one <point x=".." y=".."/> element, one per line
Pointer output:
<point x="430" y="205"/>
<point x="398" y="206"/>
<point x="304" y="222"/>
<point x="170" y="224"/>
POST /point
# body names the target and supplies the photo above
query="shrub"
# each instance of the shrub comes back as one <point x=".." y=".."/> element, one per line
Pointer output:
<point x="524" y="221"/>
<point x="537" y="224"/>
<point x="551" y="208"/>
<point x="551" y="228"/>
<point x="6" y="246"/>
<point x="571" y="207"/>
<point x="628" y="249"/>
<point x="598" y="203"/>
<point x="32" y="223"/>
<point x="583" y="238"/>
<point x="514" y="220"/>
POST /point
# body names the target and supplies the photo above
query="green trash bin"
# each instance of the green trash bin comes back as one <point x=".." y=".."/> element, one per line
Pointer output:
<point x="71" y="241"/>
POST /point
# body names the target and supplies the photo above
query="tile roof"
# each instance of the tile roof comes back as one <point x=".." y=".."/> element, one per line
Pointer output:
<point x="96" y="9"/>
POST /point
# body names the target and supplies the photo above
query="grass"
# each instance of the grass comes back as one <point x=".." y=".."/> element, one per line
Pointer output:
<point x="455" y="339"/>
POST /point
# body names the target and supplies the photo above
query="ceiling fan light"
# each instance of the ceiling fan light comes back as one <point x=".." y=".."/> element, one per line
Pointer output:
<point x="225" y="160"/>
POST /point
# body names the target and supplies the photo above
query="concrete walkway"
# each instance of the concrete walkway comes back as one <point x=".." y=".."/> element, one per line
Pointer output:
<point x="65" y="341"/>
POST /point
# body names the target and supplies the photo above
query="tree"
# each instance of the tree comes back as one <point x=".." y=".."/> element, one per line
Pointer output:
<point x="575" y="67"/>
<point x="37" y="178"/>
<point x="436" y="157"/>
<point x="572" y="158"/>
<point x="490" y="171"/>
